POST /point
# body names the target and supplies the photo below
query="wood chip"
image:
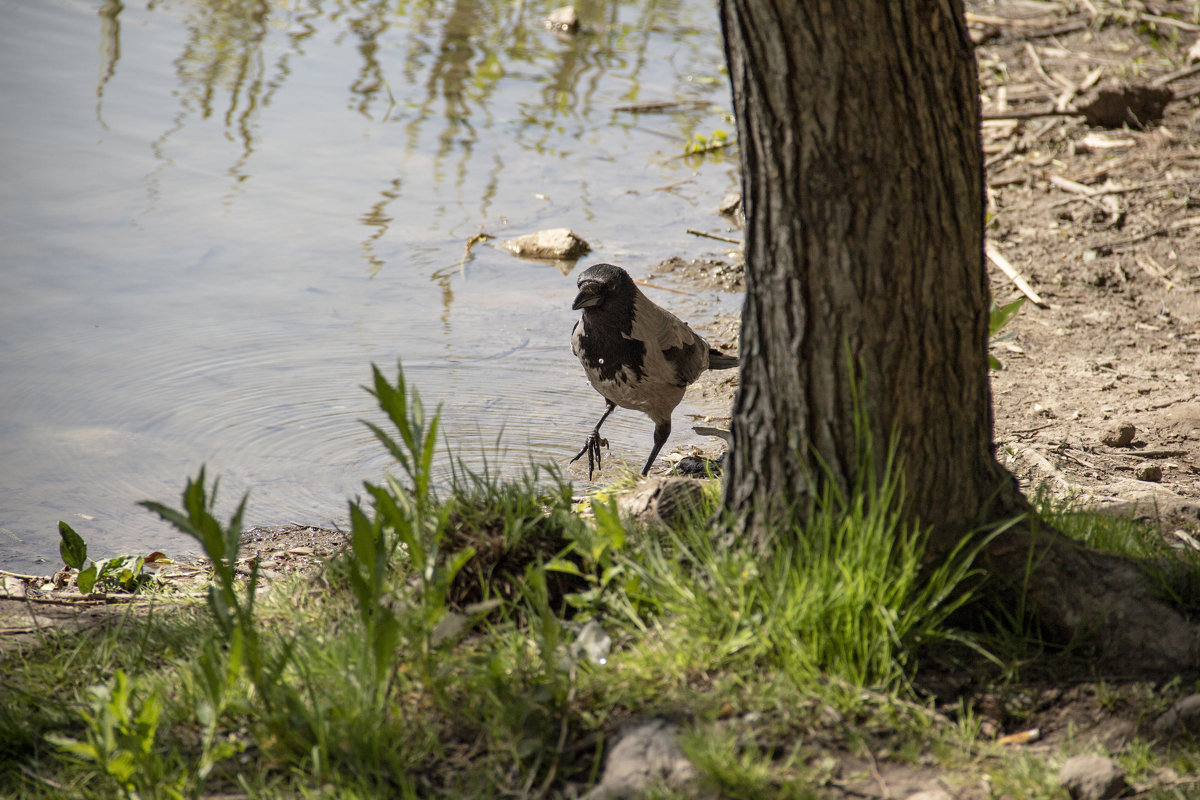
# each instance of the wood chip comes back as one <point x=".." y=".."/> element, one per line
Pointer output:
<point x="1021" y="737"/>
<point x="1066" y="184"/>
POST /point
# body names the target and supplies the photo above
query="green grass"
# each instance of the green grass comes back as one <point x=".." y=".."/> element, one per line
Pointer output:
<point x="1175" y="569"/>
<point x="439" y="655"/>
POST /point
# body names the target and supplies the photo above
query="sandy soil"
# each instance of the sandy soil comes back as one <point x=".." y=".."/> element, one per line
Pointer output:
<point x="1103" y="224"/>
<point x="1101" y="221"/>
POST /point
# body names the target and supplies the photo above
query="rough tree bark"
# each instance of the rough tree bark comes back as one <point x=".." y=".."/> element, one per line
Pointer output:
<point x="863" y="189"/>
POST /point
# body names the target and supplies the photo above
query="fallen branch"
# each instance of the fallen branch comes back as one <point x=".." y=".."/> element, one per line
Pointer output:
<point x="1179" y="74"/>
<point x="662" y="106"/>
<point x="997" y="258"/>
<point x="1100" y="191"/>
<point x="1032" y="114"/>
<point x="1153" y="269"/>
<point x="670" y="187"/>
<point x="1189" y="540"/>
<point x="1066" y="184"/>
<point x="20" y="576"/>
<point x="1025" y="29"/>
<point x="718" y="237"/>
<point x="1168" y="21"/>
<point x="1145" y="453"/>
<point x="1178" y="224"/>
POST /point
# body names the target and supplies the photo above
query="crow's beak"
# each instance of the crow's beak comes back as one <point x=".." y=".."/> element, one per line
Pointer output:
<point x="589" y="295"/>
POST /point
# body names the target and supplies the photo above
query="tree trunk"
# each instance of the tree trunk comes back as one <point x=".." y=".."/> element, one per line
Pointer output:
<point x="858" y="128"/>
<point x="863" y="187"/>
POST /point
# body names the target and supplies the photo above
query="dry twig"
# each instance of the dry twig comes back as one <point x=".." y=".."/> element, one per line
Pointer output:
<point x="718" y="237"/>
<point x="997" y="258"/>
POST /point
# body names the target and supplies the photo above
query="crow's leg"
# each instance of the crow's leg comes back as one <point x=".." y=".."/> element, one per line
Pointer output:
<point x="594" y="442"/>
<point x="661" y="431"/>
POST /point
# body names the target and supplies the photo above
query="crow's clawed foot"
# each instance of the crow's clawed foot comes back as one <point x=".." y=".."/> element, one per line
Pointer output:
<point x="592" y="448"/>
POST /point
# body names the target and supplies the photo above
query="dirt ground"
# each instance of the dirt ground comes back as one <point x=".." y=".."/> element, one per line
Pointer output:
<point x="1100" y="220"/>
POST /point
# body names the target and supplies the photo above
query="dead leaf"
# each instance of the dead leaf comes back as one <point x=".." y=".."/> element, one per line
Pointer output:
<point x="1138" y="106"/>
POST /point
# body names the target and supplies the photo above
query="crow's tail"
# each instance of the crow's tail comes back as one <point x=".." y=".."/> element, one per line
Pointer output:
<point x="718" y="360"/>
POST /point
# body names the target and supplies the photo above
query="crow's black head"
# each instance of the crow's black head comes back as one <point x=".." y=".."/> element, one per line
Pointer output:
<point x="600" y="282"/>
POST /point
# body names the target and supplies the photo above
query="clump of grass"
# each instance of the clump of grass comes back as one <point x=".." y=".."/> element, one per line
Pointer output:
<point x="845" y="590"/>
<point x="511" y="525"/>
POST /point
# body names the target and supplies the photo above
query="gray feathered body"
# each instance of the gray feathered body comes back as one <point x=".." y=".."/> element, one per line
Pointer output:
<point x="637" y="354"/>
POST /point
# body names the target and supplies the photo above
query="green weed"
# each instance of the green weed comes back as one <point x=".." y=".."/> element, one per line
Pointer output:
<point x="998" y="317"/>
<point x="122" y="572"/>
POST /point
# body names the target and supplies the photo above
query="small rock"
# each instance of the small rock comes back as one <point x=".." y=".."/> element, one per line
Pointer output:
<point x="562" y="20"/>
<point x="1119" y="435"/>
<point x="730" y="203"/>
<point x="1183" y="717"/>
<point x="661" y="500"/>
<point x="931" y="794"/>
<point x="553" y="243"/>
<point x="593" y="643"/>
<point x="700" y="467"/>
<point x="646" y="754"/>
<point x="1092" y="778"/>
<point x="731" y="206"/>
<point x="1147" y="471"/>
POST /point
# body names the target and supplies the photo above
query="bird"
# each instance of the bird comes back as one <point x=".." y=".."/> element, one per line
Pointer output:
<point x="636" y="354"/>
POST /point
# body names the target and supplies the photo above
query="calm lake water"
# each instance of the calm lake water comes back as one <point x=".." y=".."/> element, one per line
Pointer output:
<point x="215" y="216"/>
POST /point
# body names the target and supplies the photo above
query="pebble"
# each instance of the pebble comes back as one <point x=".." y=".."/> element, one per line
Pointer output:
<point x="552" y="243"/>
<point x="563" y="20"/>
<point x="1146" y="471"/>
<point x="1119" y="435"/>
<point x="646" y="755"/>
<point x="1092" y="777"/>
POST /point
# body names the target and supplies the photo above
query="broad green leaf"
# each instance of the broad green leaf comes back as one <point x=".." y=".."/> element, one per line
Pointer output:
<point x="87" y="579"/>
<point x="563" y="565"/>
<point x="1000" y="315"/>
<point x="72" y="548"/>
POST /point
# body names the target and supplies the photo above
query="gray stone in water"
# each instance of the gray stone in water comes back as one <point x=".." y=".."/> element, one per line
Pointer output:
<point x="1092" y="778"/>
<point x="562" y="20"/>
<point x="646" y="754"/>
<point x="555" y="243"/>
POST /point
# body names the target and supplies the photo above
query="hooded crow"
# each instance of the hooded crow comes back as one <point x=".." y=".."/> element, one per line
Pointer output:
<point x="635" y="354"/>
